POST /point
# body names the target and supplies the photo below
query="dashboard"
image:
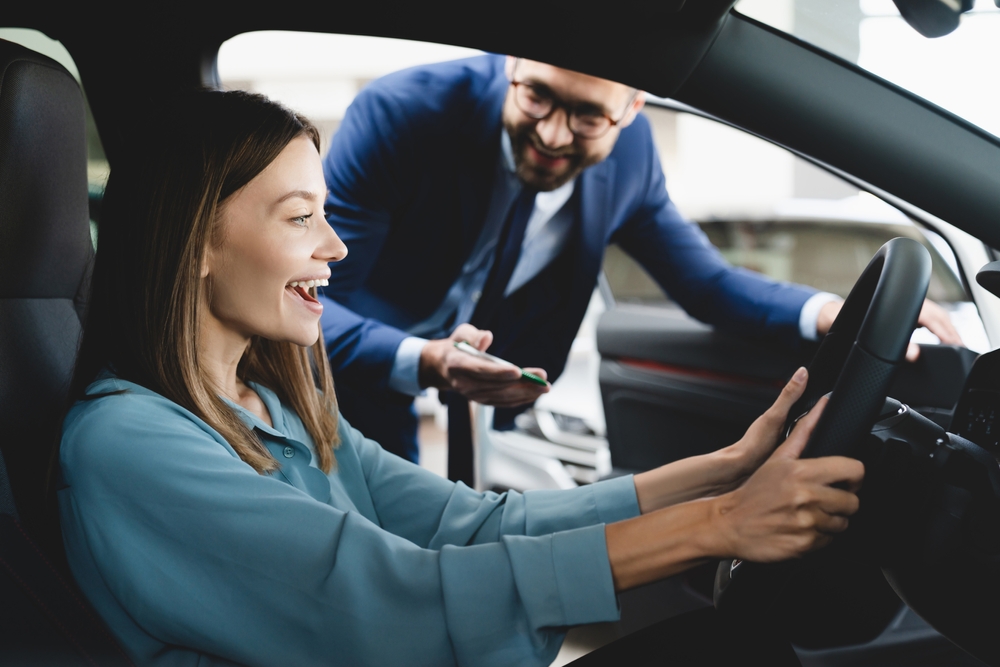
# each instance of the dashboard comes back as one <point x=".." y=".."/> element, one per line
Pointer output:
<point x="978" y="408"/>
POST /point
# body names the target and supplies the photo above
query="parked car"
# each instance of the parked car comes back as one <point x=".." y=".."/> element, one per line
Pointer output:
<point x="659" y="372"/>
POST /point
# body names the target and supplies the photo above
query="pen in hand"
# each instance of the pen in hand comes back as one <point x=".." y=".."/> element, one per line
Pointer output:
<point x="525" y="375"/>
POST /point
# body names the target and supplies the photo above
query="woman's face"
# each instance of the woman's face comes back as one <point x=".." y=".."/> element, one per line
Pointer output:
<point x="274" y="241"/>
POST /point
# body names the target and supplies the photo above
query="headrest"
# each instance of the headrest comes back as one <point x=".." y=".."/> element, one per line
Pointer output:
<point x="44" y="235"/>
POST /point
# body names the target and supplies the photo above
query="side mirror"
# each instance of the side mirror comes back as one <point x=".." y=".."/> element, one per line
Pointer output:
<point x="934" y="18"/>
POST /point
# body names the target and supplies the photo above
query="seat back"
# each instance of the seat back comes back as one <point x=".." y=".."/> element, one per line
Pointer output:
<point x="45" y="258"/>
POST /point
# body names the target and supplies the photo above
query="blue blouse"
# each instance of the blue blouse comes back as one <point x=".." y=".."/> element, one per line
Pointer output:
<point x="192" y="558"/>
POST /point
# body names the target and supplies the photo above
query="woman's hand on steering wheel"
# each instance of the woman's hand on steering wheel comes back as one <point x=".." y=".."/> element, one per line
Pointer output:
<point x="759" y="441"/>
<point x="789" y="506"/>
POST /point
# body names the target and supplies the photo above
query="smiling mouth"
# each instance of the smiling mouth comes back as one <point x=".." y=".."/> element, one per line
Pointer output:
<point x="300" y="290"/>
<point x="545" y="158"/>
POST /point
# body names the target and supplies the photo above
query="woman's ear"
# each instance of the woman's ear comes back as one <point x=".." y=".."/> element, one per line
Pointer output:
<point x="203" y="270"/>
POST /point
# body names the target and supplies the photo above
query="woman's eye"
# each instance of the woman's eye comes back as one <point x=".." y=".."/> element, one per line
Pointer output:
<point x="302" y="220"/>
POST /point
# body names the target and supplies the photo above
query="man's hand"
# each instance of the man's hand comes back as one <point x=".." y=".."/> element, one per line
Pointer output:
<point x="445" y="367"/>
<point x="932" y="316"/>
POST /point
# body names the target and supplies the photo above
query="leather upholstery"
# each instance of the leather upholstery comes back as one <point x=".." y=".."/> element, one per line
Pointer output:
<point x="45" y="258"/>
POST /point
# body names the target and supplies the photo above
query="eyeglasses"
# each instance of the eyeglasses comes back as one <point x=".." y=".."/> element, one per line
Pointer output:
<point x="584" y="120"/>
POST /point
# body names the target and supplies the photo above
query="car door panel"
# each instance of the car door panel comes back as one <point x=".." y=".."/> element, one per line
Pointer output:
<point x="673" y="387"/>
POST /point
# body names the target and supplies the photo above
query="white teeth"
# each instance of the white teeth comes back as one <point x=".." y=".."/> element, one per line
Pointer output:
<point x="309" y="283"/>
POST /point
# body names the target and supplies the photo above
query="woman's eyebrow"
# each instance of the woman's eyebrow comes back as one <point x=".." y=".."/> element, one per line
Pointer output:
<point x="301" y="194"/>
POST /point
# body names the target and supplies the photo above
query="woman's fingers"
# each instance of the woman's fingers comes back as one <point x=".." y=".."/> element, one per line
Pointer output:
<point x="759" y="440"/>
<point x="836" y="502"/>
<point x="841" y="471"/>
<point x="777" y="414"/>
<point x="790" y="505"/>
<point x="828" y="470"/>
<point x="799" y="437"/>
<point x="792" y="391"/>
<point x="831" y="524"/>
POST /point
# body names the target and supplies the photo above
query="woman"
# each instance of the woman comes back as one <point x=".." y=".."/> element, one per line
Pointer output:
<point x="207" y="515"/>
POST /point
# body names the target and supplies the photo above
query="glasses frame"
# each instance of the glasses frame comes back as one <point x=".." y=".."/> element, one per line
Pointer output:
<point x="569" y="109"/>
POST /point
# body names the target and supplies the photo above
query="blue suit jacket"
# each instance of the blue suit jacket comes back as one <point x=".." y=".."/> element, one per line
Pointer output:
<point x="410" y="173"/>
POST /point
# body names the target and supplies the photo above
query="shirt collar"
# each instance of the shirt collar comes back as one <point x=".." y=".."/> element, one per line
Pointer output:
<point x="507" y="151"/>
<point x="270" y="400"/>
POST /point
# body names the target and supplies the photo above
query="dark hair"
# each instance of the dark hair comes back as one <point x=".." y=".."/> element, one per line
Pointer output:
<point x="161" y="210"/>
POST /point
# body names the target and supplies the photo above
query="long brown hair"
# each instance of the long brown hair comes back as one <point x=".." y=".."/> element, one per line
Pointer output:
<point x="161" y="210"/>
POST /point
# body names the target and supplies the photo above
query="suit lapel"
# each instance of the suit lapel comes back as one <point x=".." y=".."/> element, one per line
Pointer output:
<point x="595" y="216"/>
<point x="480" y="137"/>
<point x="474" y="196"/>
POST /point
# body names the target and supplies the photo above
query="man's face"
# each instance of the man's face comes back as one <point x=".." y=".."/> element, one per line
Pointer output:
<point x="546" y="153"/>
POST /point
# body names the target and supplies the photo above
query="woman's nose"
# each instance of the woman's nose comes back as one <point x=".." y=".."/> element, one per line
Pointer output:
<point x="331" y="249"/>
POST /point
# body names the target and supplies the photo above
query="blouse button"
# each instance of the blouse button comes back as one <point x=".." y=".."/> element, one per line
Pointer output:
<point x="289" y="452"/>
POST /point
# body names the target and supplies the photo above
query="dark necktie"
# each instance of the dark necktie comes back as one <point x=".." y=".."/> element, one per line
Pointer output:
<point x="505" y="260"/>
<point x="460" y="463"/>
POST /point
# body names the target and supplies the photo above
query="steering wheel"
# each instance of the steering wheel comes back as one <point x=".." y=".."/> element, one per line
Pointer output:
<point x="857" y="361"/>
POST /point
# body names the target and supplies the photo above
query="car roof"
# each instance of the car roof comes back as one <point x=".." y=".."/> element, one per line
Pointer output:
<point x="731" y="67"/>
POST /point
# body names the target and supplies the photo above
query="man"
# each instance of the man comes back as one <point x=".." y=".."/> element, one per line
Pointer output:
<point x="477" y="198"/>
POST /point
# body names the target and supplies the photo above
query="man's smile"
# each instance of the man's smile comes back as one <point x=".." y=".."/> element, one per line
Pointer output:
<point x="545" y="160"/>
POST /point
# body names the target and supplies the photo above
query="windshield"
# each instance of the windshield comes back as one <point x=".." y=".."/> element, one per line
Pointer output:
<point x="957" y="72"/>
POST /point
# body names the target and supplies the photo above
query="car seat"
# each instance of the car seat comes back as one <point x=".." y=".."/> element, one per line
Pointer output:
<point x="45" y="258"/>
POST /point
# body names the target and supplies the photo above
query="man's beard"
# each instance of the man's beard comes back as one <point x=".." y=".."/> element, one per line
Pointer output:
<point x="536" y="176"/>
